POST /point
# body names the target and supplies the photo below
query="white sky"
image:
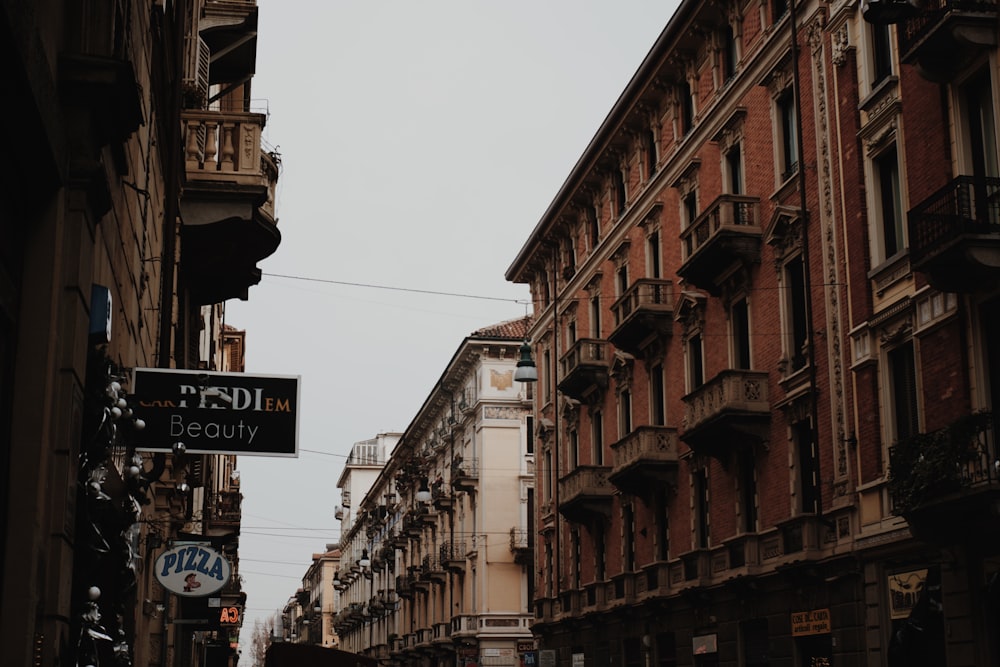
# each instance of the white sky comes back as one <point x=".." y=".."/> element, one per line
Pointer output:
<point x="421" y="141"/>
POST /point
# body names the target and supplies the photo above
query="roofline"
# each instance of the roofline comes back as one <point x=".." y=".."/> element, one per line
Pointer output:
<point x="609" y="126"/>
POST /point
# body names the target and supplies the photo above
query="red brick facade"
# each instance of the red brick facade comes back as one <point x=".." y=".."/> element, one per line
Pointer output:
<point x="808" y="335"/>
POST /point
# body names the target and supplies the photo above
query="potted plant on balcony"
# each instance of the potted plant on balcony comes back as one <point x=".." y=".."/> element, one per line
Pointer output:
<point x="929" y="470"/>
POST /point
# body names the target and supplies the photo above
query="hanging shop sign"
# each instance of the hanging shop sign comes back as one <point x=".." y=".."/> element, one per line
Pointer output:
<point x="814" y="622"/>
<point x="193" y="569"/>
<point x="217" y="413"/>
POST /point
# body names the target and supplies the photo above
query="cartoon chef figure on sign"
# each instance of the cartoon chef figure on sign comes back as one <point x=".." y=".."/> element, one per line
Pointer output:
<point x="191" y="582"/>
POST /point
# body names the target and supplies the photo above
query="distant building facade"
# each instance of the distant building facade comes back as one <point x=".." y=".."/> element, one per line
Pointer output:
<point x="435" y="564"/>
<point x="766" y="338"/>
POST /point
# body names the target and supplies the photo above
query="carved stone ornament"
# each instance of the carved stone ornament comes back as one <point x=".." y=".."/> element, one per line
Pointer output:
<point x="784" y="233"/>
<point x="840" y="43"/>
<point x="621" y="368"/>
<point x="690" y="312"/>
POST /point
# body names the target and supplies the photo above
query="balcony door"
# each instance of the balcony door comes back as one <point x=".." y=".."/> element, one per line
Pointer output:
<point x="980" y="125"/>
<point x="980" y="149"/>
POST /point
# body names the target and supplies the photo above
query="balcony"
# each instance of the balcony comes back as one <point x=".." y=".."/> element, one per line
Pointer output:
<point x="464" y="475"/>
<point x="730" y="410"/>
<point x="464" y="626"/>
<point x="955" y="235"/>
<point x="643" y="314"/>
<point x="521" y="545"/>
<point x="404" y="586"/>
<point x="229" y="28"/>
<point x="946" y="483"/>
<point x="946" y="35"/>
<point x="453" y="556"/>
<point x="431" y="569"/>
<point x="442" y="633"/>
<point x="441" y="497"/>
<point x="727" y="232"/>
<point x="228" y="204"/>
<point x="584" y="369"/>
<point x="585" y="494"/>
<point x="645" y="460"/>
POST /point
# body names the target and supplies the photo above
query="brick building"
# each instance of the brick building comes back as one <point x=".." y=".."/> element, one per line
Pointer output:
<point x="765" y="334"/>
<point x="138" y="198"/>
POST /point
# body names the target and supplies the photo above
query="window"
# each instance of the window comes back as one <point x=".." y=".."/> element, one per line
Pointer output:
<point x="595" y="316"/>
<point x="889" y="208"/>
<point x="881" y="52"/>
<point x="796" y="310"/>
<point x="574" y="449"/>
<point x="700" y="486"/>
<point x="787" y="139"/>
<point x="600" y="561"/>
<point x="530" y="428"/>
<point x="748" y="491"/>
<point x="622" y="279"/>
<point x="662" y="524"/>
<point x="980" y="133"/>
<point x="695" y="361"/>
<point x="685" y="108"/>
<point x="739" y="323"/>
<point x="734" y="170"/>
<point x="632" y="650"/>
<point x="547" y="476"/>
<point x="690" y="205"/>
<point x="571" y="333"/>
<point x="624" y="412"/>
<point x="728" y="54"/>
<point x="628" y="530"/>
<point x="597" y="423"/>
<point x="805" y="447"/>
<point x="654" y="267"/>
<point x="593" y="227"/>
<point x="778" y="10"/>
<point x="905" y="420"/>
<point x="657" y="396"/>
<point x="550" y="373"/>
<point x="652" y="152"/>
<point x="574" y="541"/>
<point x="549" y="588"/>
<point x="618" y="183"/>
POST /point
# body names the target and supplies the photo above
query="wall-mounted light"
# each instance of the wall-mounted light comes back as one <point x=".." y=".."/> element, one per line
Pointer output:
<point x="526" y="370"/>
<point x="365" y="562"/>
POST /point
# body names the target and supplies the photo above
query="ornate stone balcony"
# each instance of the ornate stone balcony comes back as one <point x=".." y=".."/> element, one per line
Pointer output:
<point x="730" y="410"/>
<point x="521" y="545"/>
<point x="584" y="369"/>
<point x="727" y="232"/>
<point x="228" y="204"/>
<point x="955" y="235"/>
<point x="645" y="460"/>
<point x="585" y="493"/>
<point x="643" y="313"/>
<point x="945" y="35"/>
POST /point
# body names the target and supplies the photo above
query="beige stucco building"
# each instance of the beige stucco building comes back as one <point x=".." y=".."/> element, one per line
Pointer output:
<point x="434" y="568"/>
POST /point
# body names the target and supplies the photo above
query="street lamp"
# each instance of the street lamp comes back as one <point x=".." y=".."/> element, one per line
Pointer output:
<point x="526" y="370"/>
<point x="424" y="492"/>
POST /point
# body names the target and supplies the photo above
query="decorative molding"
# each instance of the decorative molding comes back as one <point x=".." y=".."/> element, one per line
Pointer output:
<point x="840" y="45"/>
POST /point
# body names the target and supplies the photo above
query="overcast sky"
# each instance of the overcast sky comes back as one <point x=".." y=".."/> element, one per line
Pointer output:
<point x="421" y="141"/>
